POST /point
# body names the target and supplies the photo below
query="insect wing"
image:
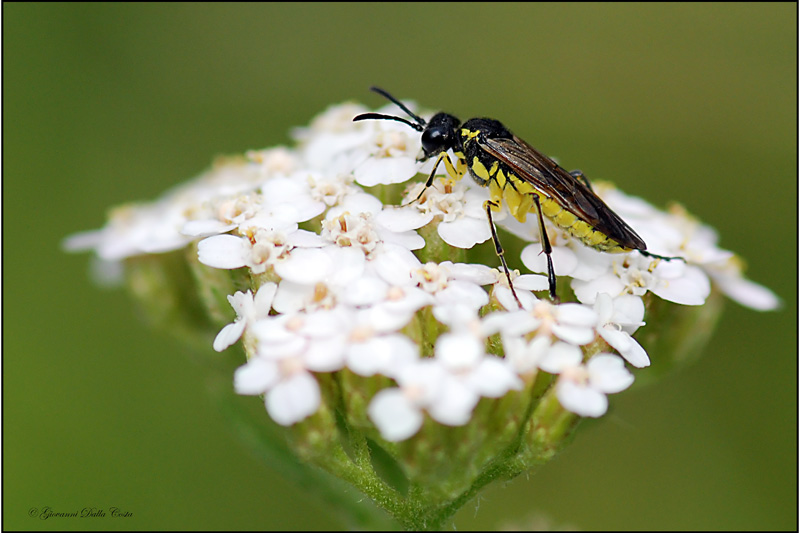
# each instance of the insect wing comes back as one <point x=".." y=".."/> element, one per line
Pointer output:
<point x="548" y="177"/>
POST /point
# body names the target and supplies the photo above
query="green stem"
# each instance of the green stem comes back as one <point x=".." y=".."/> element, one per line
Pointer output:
<point x="269" y="444"/>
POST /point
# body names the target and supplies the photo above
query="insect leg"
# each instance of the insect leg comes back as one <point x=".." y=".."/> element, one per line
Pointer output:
<point x="454" y="173"/>
<point x="498" y="248"/>
<point x="547" y="249"/>
<point x="580" y="176"/>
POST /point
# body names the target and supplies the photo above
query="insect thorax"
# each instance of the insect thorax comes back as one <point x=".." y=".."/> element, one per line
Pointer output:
<point x="482" y="166"/>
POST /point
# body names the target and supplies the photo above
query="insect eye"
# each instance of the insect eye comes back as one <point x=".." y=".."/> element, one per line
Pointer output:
<point x="433" y="140"/>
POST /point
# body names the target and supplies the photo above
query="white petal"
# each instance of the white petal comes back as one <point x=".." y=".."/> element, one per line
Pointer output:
<point x="357" y="203"/>
<point x="459" y="351"/>
<point x="464" y="232"/>
<point x="564" y="259"/>
<point x="290" y="347"/>
<point x="528" y="231"/>
<point x="493" y="378"/>
<point x="422" y="380"/>
<point x="307" y="208"/>
<point x="386" y="317"/>
<point x="279" y="218"/>
<point x="263" y="299"/>
<point x="454" y="403"/>
<point x="394" y="416"/>
<point x="222" y="251"/>
<point x="203" y="228"/>
<point x="325" y="323"/>
<point x="85" y="240"/>
<point x="474" y="197"/>
<point x="407" y="239"/>
<point x="748" y="293"/>
<point x="607" y="373"/>
<point x="304" y="265"/>
<point x="242" y="303"/>
<point x="293" y="399"/>
<point x="628" y="312"/>
<point x="493" y="322"/>
<point x="690" y="289"/>
<point x="411" y="299"/>
<point x="289" y="200"/>
<point x="504" y="295"/>
<point x="572" y="314"/>
<point x="531" y="282"/>
<point x="455" y="316"/>
<point x="274" y="331"/>
<point x="630" y="205"/>
<point x="583" y="401"/>
<point x="385" y="355"/>
<point x="306" y="239"/>
<point x="282" y="191"/>
<point x="394" y="264"/>
<point x="626" y="345"/>
<point x="591" y="263"/>
<point x="404" y="353"/>
<point x="370" y="357"/>
<point x="228" y="335"/>
<point x="375" y="171"/>
<point x="604" y="307"/>
<point x="256" y="377"/>
<point x="325" y="355"/>
<point x="292" y="297"/>
<point x="365" y="291"/>
<point x="462" y="293"/>
<point x="477" y="274"/>
<point x="559" y="357"/>
<point x="574" y="334"/>
<point x="347" y="265"/>
<point x="524" y="357"/>
<point x="324" y="146"/>
<point x="163" y="240"/>
<point x="515" y="322"/>
<point x="400" y="219"/>
<point x="587" y="291"/>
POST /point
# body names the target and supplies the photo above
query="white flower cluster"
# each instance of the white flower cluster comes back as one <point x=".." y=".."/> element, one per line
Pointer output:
<point x="347" y="287"/>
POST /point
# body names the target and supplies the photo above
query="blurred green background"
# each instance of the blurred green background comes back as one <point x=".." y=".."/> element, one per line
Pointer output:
<point x="104" y="104"/>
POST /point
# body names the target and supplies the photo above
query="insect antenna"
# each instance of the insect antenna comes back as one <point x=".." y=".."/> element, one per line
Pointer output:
<point x="399" y="104"/>
<point x="368" y="116"/>
<point x="420" y="122"/>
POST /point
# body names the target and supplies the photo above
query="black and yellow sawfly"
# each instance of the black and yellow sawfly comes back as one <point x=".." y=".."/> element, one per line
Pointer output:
<point x="527" y="180"/>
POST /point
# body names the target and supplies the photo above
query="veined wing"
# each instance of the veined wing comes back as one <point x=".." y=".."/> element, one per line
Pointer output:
<point x="545" y="175"/>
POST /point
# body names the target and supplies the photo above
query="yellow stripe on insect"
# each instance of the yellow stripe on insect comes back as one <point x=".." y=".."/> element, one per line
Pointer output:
<point x="500" y="177"/>
<point x="580" y="229"/>
<point x="523" y="187"/>
<point x="461" y="164"/>
<point x="550" y="208"/>
<point x="496" y="195"/>
<point x="565" y="219"/>
<point x="595" y="238"/>
<point x="525" y="206"/>
<point x="480" y="170"/>
<point x="514" y="202"/>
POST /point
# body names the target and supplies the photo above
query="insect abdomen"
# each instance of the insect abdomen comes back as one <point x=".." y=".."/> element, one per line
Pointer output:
<point x="517" y="195"/>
